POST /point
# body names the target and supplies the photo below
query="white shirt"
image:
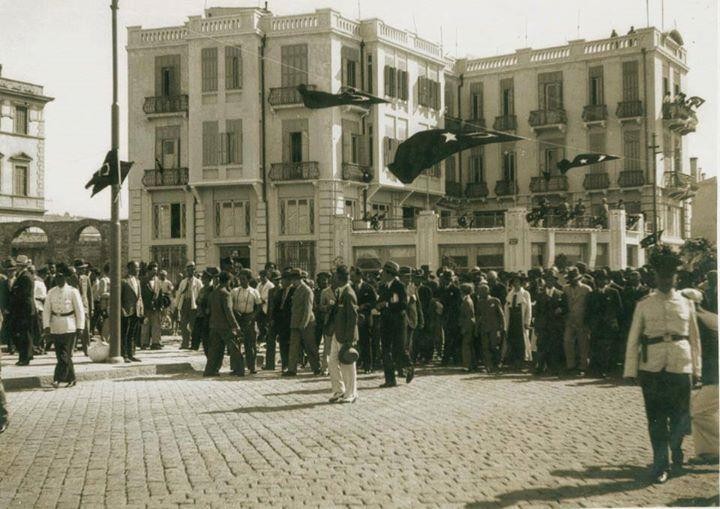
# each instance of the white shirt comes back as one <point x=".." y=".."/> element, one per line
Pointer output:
<point x="188" y="291"/>
<point x="244" y="300"/>
<point x="60" y="301"/>
<point x="264" y="290"/>
<point x="660" y="315"/>
<point x="40" y="294"/>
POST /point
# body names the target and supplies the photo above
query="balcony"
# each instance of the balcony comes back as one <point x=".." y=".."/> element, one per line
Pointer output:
<point x="677" y="180"/>
<point x="478" y="220"/>
<point x="679" y="118"/>
<point x="357" y="172"/>
<point x="595" y="114"/>
<point x="556" y="221"/>
<point x="476" y="189"/>
<point x="506" y="188"/>
<point x="556" y="183"/>
<point x="304" y="170"/>
<point x="505" y="123"/>
<point x="388" y="224"/>
<point x="630" y="110"/>
<point x="453" y="189"/>
<point x="165" y="177"/>
<point x="595" y="181"/>
<point x="631" y="178"/>
<point x="548" y="119"/>
<point x="286" y="96"/>
<point x="164" y="104"/>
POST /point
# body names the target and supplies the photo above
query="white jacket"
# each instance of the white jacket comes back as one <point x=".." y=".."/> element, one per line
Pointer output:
<point x="61" y="301"/>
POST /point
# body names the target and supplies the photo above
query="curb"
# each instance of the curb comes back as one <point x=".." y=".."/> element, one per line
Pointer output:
<point x="119" y="371"/>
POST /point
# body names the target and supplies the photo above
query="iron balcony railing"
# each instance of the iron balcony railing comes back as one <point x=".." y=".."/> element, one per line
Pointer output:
<point x="596" y="181"/>
<point x="505" y="123"/>
<point x="286" y="95"/>
<point x="506" y="188"/>
<point x="556" y="221"/>
<point x="539" y="118"/>
<point x="304" y="170"/>
<point x="453" y="189"/>
<point x="481" y="220"/>
<point x="594" y="113"/>
<point x="357" y="172"/>
<point x="631" y="178"/>
<point x="553" y="184"/>
<point x="165" y="104"/>
<point x="629" y="109"/>
<point x="677" y="180"/>
<point x="165" y="177"/>
<point x="476" y="189"/>
<point x="387" y="224"/>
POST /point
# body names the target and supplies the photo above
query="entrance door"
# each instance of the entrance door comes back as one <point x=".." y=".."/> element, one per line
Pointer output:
<point x="170" y="156"/>
<point x="241" y="253"/>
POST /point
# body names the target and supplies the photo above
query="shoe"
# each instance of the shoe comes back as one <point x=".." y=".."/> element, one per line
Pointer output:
<point x="3" y="427"/>
<point x="71" y="384"/>
<point x="677" y="469"/>
<point x="335" y="398"/>
<point x="268" y="368"/>
<point x="253" y="372"/>
<point x="660" y="477"/>
<point x="19" y="363"/>
<point x="348" y="400"/>
<point x="134" y="359"/>
<point x="289" y="373"/>
<point x="155" y="347"/>
<point x="388" y="384"/>
<point x="127" y="360"/>
<point x="55" y="384"/>
<point x="238" y="374"/>
<point x="410" y="375"/>
<point x="210" y="375"/>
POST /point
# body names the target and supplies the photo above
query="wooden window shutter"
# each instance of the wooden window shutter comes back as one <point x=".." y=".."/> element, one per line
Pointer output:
<point x="364" y="152"/>
<point x="630" y="81"/>
<point x="347" y="132"/>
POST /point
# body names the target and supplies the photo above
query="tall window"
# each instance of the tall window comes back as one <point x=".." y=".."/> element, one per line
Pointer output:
<point x="349" y="57"/>
<point x="295" y="141"/>
<point x="167" y="75"/>
<point x="232" y="142"/>
<point x="209" y="67"/>
<point x="21" y="120"/>
<point x="297" y="216"/>
<point x="428" y="92"/>
<point x="507" y="99"/>
<point x="450" y="172"/>
<point x="449" y="100"/>
<point x="167" y="146"/>
<point x="296" y="154"/>
<point x="551" y="152"/>
<point x="232" y="218"/>
<point x="402" y="84"/>
<point x="596" y="86"/>
<point x="676" y="81"/>
<point x="233" y="68"/>
<point x="369" y="77"/>
<point x="550" y="93"/>
<point x="294" y="65"/>
<point x="21" y="186"/>
<point x="508" y="165"/>
<point x="596" y="144"/>
<point x="677" y="155"/>
<point x="351" y="142"/>
<point x="477" y="165"/>
<point x="631" y="149"/>
<point x="169" y="221"/>
<point x="211" y="143"/>
<point x="389" y="75"/>
<point x="476" y="101"/>
<point x="631" y="88"/>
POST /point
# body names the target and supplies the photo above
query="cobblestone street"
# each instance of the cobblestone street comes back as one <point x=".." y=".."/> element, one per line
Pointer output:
<point x="447" y="439"/>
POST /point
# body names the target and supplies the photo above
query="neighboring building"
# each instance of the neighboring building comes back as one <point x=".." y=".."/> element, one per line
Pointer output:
<point x="22" y="150"/>
<point x="201" y="104"/>
<point x="704" y="219"/>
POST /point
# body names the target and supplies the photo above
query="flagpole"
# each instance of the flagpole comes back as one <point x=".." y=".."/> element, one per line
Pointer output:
<point x="115" y="258"/>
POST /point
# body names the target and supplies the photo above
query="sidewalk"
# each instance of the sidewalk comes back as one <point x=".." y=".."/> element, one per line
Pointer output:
<point x="40" y="371"/>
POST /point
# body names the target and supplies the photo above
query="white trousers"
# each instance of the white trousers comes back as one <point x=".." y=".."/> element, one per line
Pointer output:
<point x="343" y="377"/>
<point x="705" y="420"/>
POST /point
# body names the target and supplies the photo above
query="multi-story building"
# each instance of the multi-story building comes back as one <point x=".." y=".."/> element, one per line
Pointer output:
<point x="22" y="150"/>
<point x="585" y="96"/>
<point x="232" y="162"/>
<point x="242" y="166"/>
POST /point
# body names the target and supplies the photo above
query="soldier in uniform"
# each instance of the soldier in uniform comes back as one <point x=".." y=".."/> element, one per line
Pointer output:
<point x="63" y="321"/>
<point x="663" y="353"/>
<point x="392" y="302"/>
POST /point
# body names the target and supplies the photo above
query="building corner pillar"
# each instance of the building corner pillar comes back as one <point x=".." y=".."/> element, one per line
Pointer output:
<point x="617" y="256"/>
<point x="517" y="240"/>
<point x="426" y="239"/>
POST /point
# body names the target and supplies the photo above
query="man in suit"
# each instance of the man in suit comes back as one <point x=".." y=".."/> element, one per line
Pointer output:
<point x="245" y="304"/>
<point x="282" y="315"/>
<point x="150" y="332"/>
<point x="490" y="320"/>
<point x="424" y="343"/>
<point x="84" y="286"/>
<point x="451" y="299"/>
<point x="186" y="303"/>
<point x="343" y="377"/>
<point x="605" y="316"/>
<point x="132" y="312"/>
<point x="549" y="311"/>
<point x="274" y="297"/>
<point x="392" y="302"/>
<point x="366" y="298"/>
<point x="6" y="282"/>
<point x="21" y="317"/>
<point x="224" y="330"/>
<point x="302" y="325"/>
<point x="467" y="327"/>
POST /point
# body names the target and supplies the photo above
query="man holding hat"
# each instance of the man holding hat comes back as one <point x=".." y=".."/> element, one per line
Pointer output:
<point x="186" y="303"/>
<point x="663" y="353"/>
<point x="302" y="325"/>
<point x="343" y="357"/>
<point x="392" y="302"/>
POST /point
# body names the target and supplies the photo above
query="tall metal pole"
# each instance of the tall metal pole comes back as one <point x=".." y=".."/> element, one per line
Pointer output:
<point x="654" y="147"/>
<point x="115" y="258"/>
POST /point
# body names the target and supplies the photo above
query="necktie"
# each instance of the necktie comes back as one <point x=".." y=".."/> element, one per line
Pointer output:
<point x="514" y="302"/>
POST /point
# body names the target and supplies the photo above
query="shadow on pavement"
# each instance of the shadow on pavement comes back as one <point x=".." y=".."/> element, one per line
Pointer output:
<point x="268" y="409"/>
<point x="697" y="502"/>
<point x="324" y="390"/>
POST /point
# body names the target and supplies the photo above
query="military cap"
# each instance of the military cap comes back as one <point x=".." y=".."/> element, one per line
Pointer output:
<point x="211" y="271"/>
<point x="418" y="273"/>
<point x="62" y="269"/>
<point x="274" y="275"/>
<point x="391" y="268"/>
<point x="190" y="264"/>
<point x="405" y="271"/>
<point x="552" y="272"/>
<point x="572" y="274"/>
<point x="22" y="260"/>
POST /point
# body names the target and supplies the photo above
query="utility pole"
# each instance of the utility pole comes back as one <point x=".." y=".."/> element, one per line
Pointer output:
<point x="115" y="257"/>
<point x="654" y="148"/>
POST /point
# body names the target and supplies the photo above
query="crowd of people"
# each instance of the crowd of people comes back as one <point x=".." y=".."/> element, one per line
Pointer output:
<point x="570" y="323"/>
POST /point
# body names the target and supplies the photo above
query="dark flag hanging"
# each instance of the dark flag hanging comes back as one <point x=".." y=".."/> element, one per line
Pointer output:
<point x="315" y="99"/>
<point x="651" y="240"/>
<point x="583" y="160"/>
<point x="107" y="175"/>
<point x="426" y="148"/>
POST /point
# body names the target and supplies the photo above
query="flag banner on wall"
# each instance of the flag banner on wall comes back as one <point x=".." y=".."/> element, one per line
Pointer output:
<point x="315" y="99"/>
<point x="583" y="160"/>
<point x="107" y="175"/>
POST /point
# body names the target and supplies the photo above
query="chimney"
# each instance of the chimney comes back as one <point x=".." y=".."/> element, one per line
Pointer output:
<point x="0" y="69"/>
<point x="693" y="168"/>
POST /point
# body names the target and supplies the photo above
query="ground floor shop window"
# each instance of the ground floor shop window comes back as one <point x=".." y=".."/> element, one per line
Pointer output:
<point x="171" y="259"/>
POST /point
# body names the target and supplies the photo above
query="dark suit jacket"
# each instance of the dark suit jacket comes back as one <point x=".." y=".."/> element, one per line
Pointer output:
<point x="395" y="297"/>
<point x="489" y="315"/>
<point x="346" y="317"/>
<point x="467" y="316"/>
<point x="220" y="309"/>
<point x="605" y="309"/>
<point x="281" y="312"/>
<point x="128" y="297"/>
<point x="549" y="312"/>
<point x="21" y="307"/>
<point x="302" y="307"/>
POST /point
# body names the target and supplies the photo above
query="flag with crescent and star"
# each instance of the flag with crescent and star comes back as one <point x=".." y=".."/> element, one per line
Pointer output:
<point x="107" y="175"/>
<point x="426" y="148"/>
<point x="583" y="160"/>
<point x="315" y="99"/>
<point x="651" y="240"/>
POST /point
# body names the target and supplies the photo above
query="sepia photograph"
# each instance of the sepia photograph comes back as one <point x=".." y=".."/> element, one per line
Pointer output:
<point x="342" y="253"/>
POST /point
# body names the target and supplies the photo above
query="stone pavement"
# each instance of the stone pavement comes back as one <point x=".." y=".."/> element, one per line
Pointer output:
<point x="448" y="439"/>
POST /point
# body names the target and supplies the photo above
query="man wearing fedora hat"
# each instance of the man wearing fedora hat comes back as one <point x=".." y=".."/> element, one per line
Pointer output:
<point x="576" y="331"/>
<point x="663" y="353"/>
<point x="6" y="281"/>
<point x="84" y="286"/>
<point x="343" y="357"/>
<point x="186" y="303"/>
<point x="22" y="312"/>
<point x="302" y="325"/>
<point x="392" y="302"/>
